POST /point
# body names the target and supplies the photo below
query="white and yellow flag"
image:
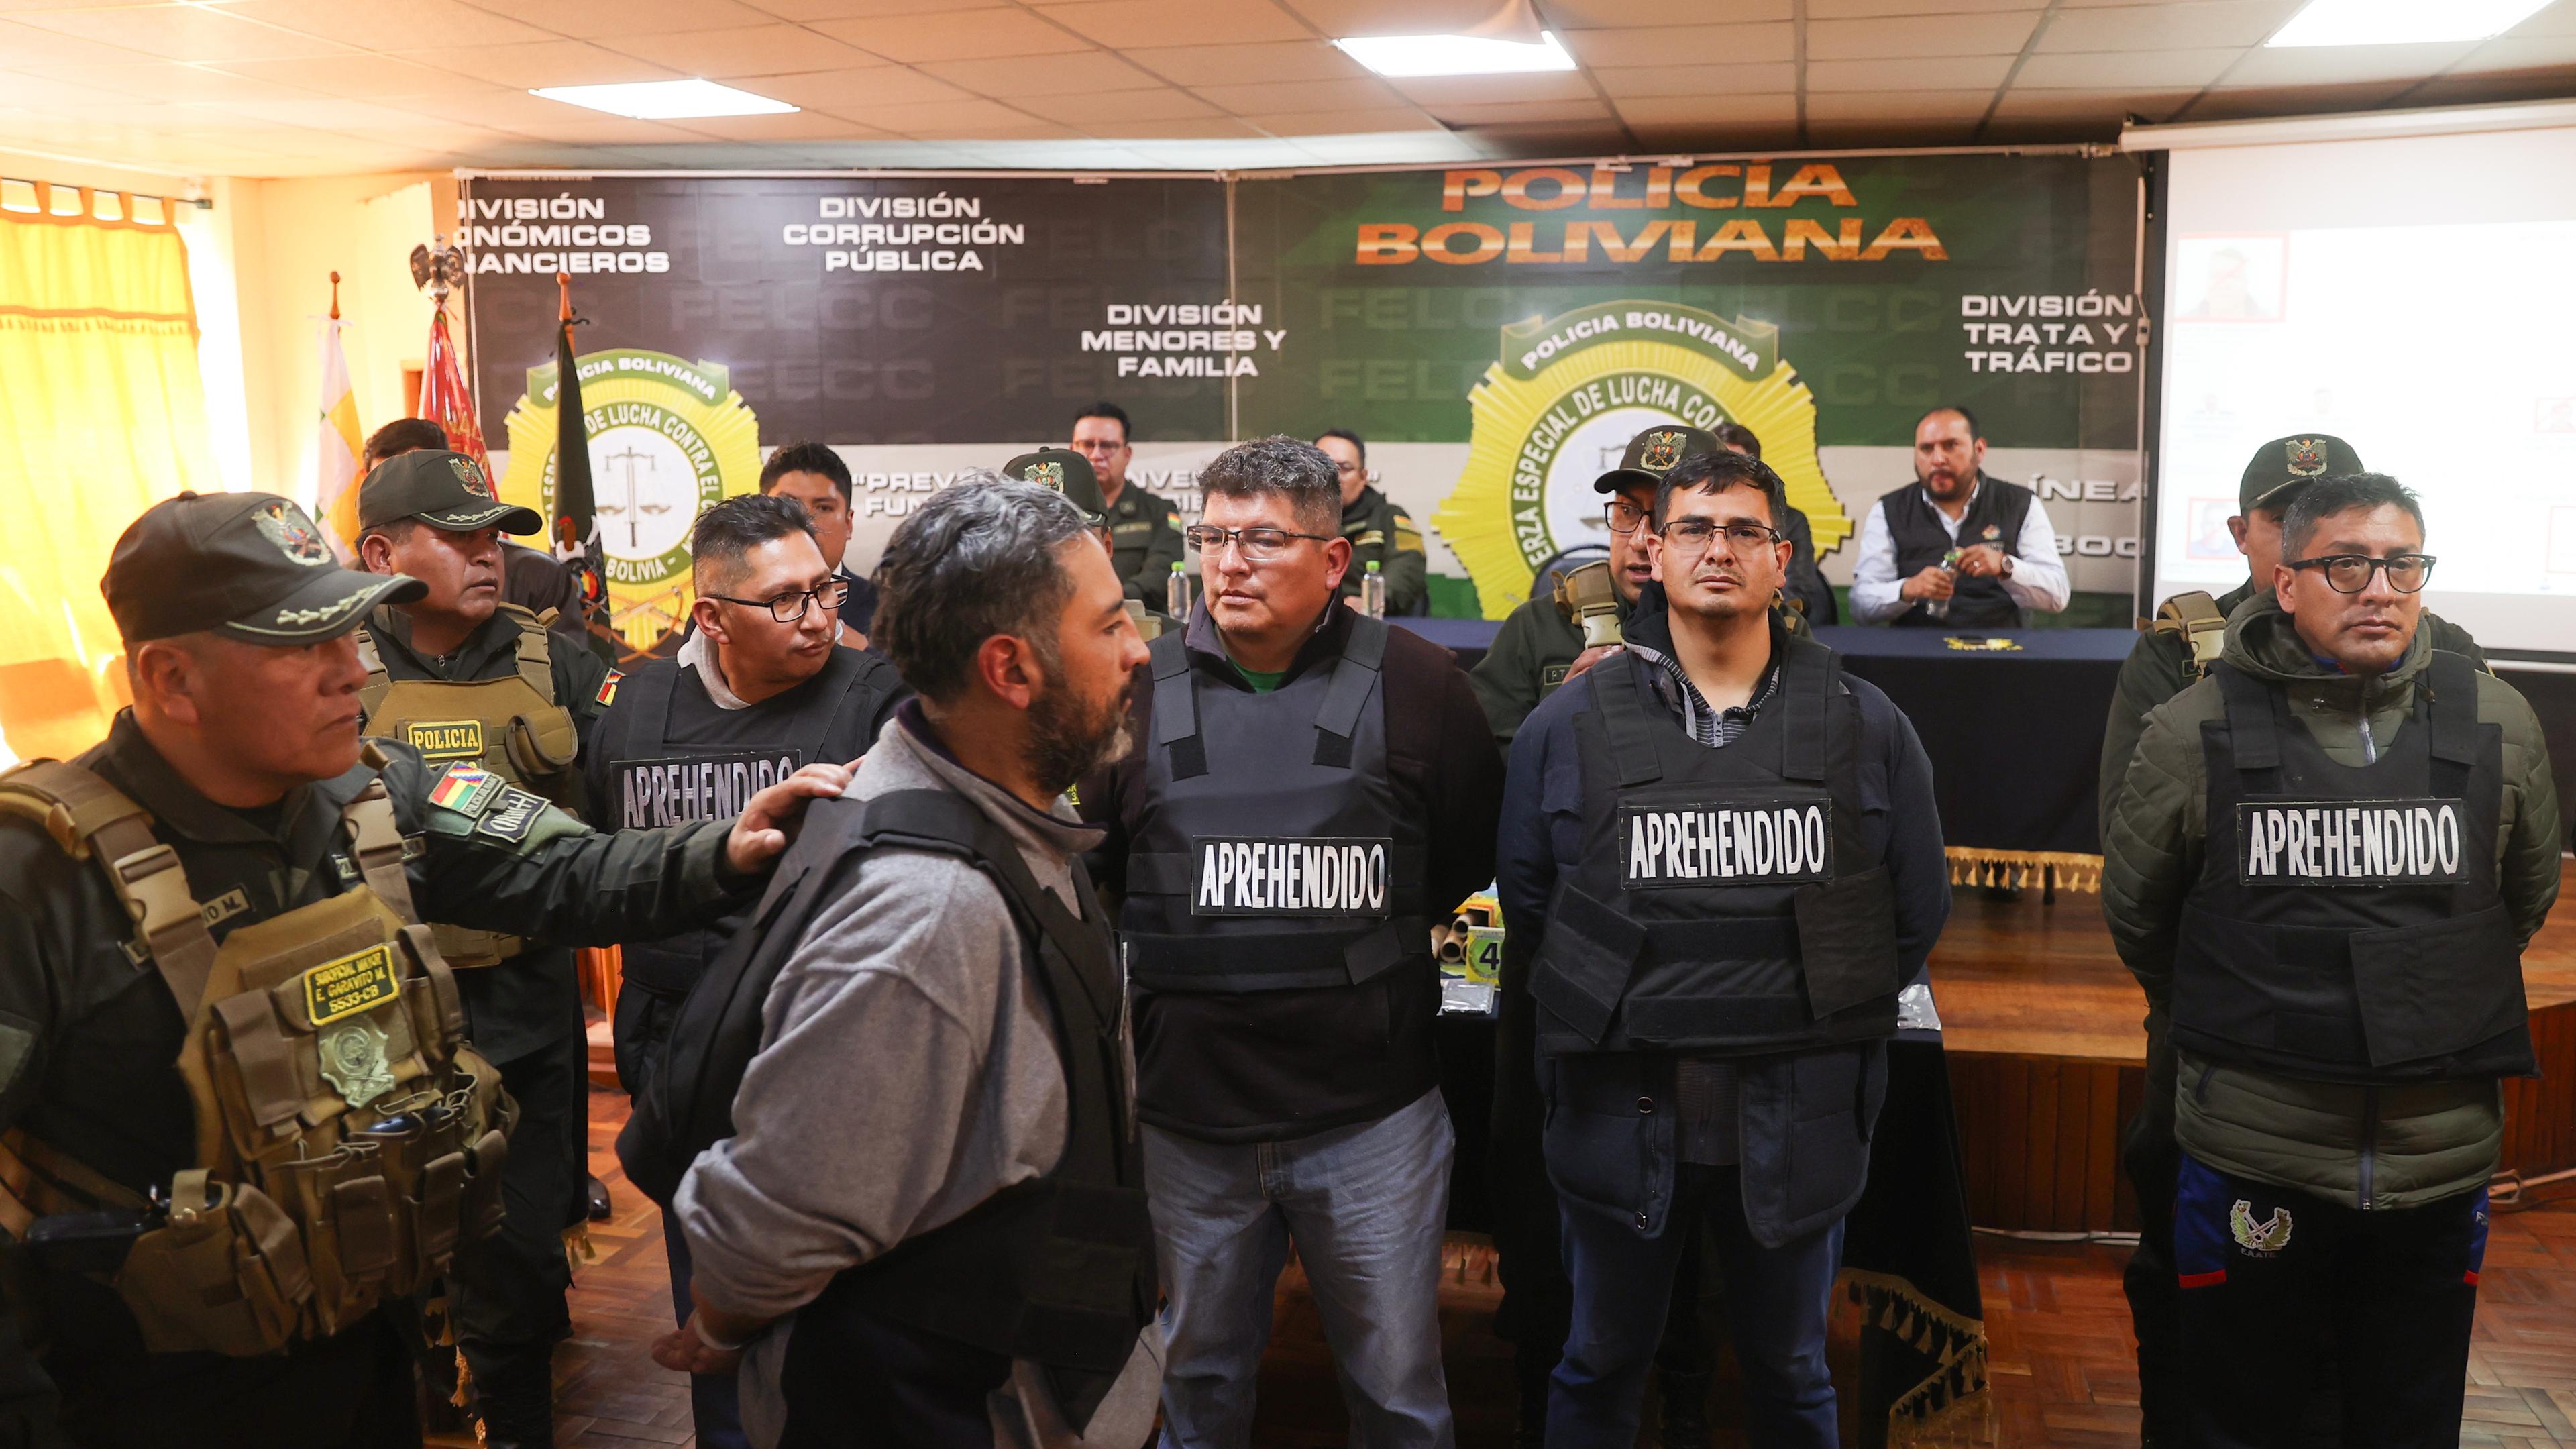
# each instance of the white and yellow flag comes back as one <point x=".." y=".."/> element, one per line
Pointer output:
<point x="336" y="443"/>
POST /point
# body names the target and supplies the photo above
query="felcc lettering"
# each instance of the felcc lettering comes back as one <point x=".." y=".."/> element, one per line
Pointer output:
<point x="2348" y="842"/>
<point x="1289" y="876"/>
<point x="1761" y="844"/>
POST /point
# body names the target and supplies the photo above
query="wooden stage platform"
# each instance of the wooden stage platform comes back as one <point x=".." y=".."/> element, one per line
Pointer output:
<point x="2047" y="1057"/>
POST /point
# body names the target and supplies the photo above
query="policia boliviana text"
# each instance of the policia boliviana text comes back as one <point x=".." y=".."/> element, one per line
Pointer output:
<point x="242" y="1115"/>
<point x="461" y="676"/>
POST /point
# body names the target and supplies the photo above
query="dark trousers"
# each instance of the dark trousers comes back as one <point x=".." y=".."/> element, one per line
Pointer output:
<point x="642" y="1026"/>
<point x="506" y="1292"/>
<point x="2260" y="1267"/>
<point x="1777" y="1300"/>
<point x="853" y="1379"/>
<point x="2148" y="1154"/>
<point x="349" y="1391"/>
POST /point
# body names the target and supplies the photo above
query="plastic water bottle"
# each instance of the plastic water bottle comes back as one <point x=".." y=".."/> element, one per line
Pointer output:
<point x="1373" y="592"/>
<point x="1940" y="608"/>
<point x="1176" y="594"/>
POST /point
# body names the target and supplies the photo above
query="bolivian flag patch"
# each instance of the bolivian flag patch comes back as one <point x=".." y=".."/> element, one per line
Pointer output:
<point x="465" y="789"/>
<point x="608" y="687"/>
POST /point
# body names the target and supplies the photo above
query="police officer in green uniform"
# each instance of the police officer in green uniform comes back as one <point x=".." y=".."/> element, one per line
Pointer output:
<point x="1144" y="531"/>
<point x="1069" y="473"/>
<point x="239" y="1113"/>
<point x="1380" y="533"/>
<point x="459" y="675"/>
<point x="2176" y="650"/>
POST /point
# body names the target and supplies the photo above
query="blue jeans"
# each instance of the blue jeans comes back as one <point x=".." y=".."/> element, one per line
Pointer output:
<point x="715" y="1401"/>
<point x="1776" y="1305"/>
<point x="1364" y="1205"/>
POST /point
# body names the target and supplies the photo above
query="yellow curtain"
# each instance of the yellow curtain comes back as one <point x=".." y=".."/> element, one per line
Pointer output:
<point x="101" y="414"/>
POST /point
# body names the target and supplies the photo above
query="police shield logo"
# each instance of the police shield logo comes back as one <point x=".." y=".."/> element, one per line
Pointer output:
<point x="1993" y="531"/>
<point x="470" y="476"/>
<point x="2307" y="457"/>
<point x="1050" y="474"/>
<point x="285" y="525"/>
<point x="1662" y="451"/>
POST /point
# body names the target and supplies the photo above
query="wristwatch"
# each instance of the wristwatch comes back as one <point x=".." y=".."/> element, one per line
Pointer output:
<point x="2007" y="572"/>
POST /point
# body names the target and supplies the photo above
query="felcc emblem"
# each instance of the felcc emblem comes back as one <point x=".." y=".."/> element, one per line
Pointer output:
<point x="2307" y="457"/>
<point x="1661" y="452"/>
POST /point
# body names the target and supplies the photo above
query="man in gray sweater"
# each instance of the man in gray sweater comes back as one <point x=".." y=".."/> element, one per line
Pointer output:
<point x="942" y="1059"/>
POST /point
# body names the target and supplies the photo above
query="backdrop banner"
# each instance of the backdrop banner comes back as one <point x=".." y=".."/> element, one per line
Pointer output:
<point x="1496" y="333"/>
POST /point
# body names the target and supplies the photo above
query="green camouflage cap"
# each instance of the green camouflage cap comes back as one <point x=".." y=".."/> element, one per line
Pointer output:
<point x="442" y="489"/>
<point x="1653" y="453"/>
<point x="249" y="565"/>
<point x="1068" y="473"/>
<point x="2283" y="466"/>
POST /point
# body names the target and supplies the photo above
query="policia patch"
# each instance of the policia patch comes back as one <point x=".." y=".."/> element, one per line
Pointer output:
<point x="445" y="739"/>
<point x="1289" y="876"/>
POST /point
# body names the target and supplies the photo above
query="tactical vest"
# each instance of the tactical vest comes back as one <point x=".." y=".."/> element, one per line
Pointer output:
<point x="512" y="726"/>
<point x="654" y="783"/>
<point x="1058" y="1269"/>
<point x="347" y="1139"/>
<point x="2195" y="619"/>
<point x="1994" y="517"/>
<point x="1271" y="853"/>
<point x="1724" y="904"/>
<point x="2346" y="925"/>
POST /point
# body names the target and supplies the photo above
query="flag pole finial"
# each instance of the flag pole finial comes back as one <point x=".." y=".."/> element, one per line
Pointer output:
<point x="563" y="292"/>
<point x="335" y="296"/>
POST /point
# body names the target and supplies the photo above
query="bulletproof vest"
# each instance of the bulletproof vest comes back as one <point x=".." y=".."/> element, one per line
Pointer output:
<point x="1058" y="1269"/>
<point x="347" y="1139"/>
<point x="512" y="726"/>
<point x="2346" y="925"/>
<point x="654" y="782"/>
<point x="1724" y="903"/>
<point x="1994" y="517"/>
<point x="1271" y="853"/>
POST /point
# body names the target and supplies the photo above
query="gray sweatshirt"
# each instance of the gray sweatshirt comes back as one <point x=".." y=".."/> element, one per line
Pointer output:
<point x="907" y="1071"/>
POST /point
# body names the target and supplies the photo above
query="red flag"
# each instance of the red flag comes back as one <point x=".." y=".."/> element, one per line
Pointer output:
<point x="444" y="399"/>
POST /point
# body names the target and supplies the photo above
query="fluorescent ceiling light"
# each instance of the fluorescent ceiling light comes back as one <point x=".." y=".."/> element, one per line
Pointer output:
<point x="1412" y="55"/>
<point x="2401" y="22"/>
<point x="666" y="100"/>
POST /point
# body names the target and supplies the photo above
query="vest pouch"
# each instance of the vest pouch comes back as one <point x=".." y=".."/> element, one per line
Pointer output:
<point x="437" y="1010"/>
<point x="226" y="1275"/>
<point x="341" y="1203"/>
<point x="1847" y="941"/>
<point x="480" y="1209"/>
<point x="543" y="743"/>
<point x="1585" y="961"/>
<point x="2439" y="988"/>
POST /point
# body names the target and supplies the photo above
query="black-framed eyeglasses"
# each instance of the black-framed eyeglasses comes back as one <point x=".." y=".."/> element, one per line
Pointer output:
<point x="2349" y="573"/>
<point x="1693" y="535"/>
<point x="1261" y="545"/>
<point x="788" y="608"/>
<point x="1622" y="516"/>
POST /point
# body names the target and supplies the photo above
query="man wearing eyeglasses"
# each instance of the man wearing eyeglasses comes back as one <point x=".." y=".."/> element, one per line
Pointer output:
<point x="2322" y="866"/>
<point x="467" y="679"/>
<point x="758" y="691"/>
<point x="1144" y="531"/>
<point x="2182" y="645"/>
<point x="1720" y="862"/>
<point x="1380" y="532"/>
<point x="1311" y="787"/>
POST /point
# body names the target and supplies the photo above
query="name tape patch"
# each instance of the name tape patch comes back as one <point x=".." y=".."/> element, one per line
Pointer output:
<point x="1750" y="844"/>
<point x="655" y="793"/>
<point x="445" y="739"/>
<point x="350" y="985"/>
<point x="1275" y="875"/>
<point x="2348" y="842"/>
<point x="465" y="789"/>
<point x="511" y="816"/>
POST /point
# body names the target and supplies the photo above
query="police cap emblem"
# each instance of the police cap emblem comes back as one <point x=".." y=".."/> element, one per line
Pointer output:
<point x="285" y="525"/>
<point x="471" y="476"/>
<point x="1050" y="473"/>
<point x="1661" y="452"/>
<point x="2307" y="456"/>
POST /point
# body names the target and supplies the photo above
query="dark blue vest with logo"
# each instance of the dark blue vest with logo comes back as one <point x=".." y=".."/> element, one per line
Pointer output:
<point x="1994" y="517"/>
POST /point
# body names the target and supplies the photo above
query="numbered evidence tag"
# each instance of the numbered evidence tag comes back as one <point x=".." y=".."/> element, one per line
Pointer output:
<point x="1473" y="987"/>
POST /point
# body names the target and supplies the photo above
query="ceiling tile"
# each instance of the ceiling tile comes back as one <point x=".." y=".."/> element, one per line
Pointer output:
<point x="1345" y="123"/>
<point x="2558" y="19"/>
<point x="1920" y="35"/>
<point x="1390" y="17"/>
<point x="1211" y="128"/>
<point x="1279" y="60"/>
<point x="2165" y="27"/>
<point x="1892" y="106"/>
<point x="1278" y="96"/>
<point x="181" y="32"/>
<point x="1160" y="104"/>
<point x="1957" y="72"/>
<point x="800" y="126"/>
<point x="503" y="109"/>
<point x="753" y="50"/>
<point x="1893" y="127"/>
<point x="1702" y="44"/>
<point x="1660" y="112"/>
<point x="406" y="26"/>
<point x="1732" y="136"/>
<point x="2024" y="103"/>
<point x="542" y="63"/>
<point x="2231" y="105"/>
<point x="579" y="126"/>
<point x="1621" y="14"/>
<point x="954" y="35"/>
<point x="2519" y="52"/>
<point x="1468" y="90"/>
<point x="321" y="114"/>
<point x="969" y="115"/>
<point x="1691" y="80"/>
<point x="363" y="77"/>
<point x="2343" y="64"/>
<point x="1178" y="22"/>
<point x="1863" y="9"/>
<point x="1066" y="77"/>
<point x="845" y="9"/>
<point x="882" y="85"/>
<point x="107" y="86"/>
<point x="1505" y="113"/>
<point x="2134" y="70"/>
<point x="610" y="19"/>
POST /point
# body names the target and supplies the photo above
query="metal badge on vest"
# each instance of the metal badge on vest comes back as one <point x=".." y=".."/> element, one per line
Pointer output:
<point x="1724" y="903"/>
<point x="1994" y="517"/>
<point x="1272" y="854"/>
<point x="2347" y="924"/>
<point x="347" y="1139"/>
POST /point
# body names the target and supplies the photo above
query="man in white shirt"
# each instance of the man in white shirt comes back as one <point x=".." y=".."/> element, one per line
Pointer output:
<point x="1959" y="549"/>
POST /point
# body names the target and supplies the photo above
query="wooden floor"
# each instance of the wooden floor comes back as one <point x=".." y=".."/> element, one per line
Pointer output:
<point x="2059" y="1329"/>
